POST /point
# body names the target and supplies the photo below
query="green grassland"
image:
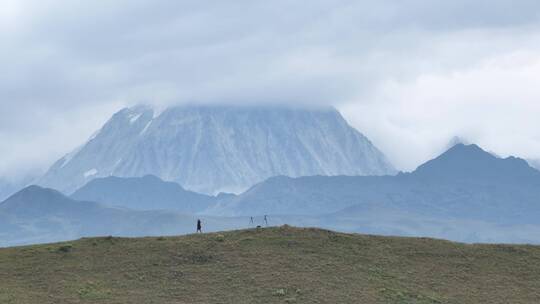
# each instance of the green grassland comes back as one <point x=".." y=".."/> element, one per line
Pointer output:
<point x="272" y="265"/>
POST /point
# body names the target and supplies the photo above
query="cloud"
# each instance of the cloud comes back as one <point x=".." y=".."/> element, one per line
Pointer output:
<point x="409" y="74"/>
<point x="495" y="104"/>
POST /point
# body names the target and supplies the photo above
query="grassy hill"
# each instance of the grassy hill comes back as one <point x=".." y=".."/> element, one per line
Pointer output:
<point x="273" y="265"/>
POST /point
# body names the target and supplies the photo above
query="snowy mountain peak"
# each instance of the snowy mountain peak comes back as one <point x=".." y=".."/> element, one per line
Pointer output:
<point x="219" y="148"/>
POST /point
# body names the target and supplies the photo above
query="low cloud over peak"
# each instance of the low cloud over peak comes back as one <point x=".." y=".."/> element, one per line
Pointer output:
<point x="410" y="75"/>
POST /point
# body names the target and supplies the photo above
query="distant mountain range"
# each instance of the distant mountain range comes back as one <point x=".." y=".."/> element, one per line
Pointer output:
<point x="464" y="183"/>
<point x="465" y="194"/>
<point x="149" y="173"/>
<point x="212" y="149"/>
<point x="37" y="215"/>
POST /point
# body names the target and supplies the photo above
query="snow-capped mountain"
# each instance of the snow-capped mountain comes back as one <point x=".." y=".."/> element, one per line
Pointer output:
<point x="211" y="149"/>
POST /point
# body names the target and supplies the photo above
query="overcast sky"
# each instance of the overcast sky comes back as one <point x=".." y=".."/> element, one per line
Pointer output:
<point x="408" y="74"/>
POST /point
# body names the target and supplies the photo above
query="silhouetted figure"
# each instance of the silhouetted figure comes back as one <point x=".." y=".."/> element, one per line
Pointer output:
<point x="251" y="220"/>
<point x="199" y="226"/>
<point x="265" y="220"/>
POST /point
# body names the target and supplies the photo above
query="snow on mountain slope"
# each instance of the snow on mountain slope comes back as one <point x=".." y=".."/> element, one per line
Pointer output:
<point x="210" y="149"/>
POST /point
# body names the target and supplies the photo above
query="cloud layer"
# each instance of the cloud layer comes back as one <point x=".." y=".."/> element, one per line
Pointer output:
<point x="409" y="74"/>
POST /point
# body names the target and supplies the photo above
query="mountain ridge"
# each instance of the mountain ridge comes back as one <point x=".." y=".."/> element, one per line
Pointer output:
<point x="37" y="215"/>
<point x="143" y="193"/>
<point x="510" y="194"/>
<point x="463" y="207"/>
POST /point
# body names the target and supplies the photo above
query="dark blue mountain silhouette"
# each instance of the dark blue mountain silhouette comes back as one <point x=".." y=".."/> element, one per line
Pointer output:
<point x="143" y="193"/>
<point x="36" y="215"/>
<point x="465" y="182"/>
<point x="471" y="162"/>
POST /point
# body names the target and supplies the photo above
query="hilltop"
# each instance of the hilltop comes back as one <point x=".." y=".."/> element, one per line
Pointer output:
<point x="272" y="265"/>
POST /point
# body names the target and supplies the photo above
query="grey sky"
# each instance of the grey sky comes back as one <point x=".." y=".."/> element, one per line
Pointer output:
<point x="409" y="74"/>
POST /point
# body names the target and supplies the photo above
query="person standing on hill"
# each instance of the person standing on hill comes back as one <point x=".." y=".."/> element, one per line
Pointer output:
<point x="266" y="220"/>
<point x="199" y="226"/>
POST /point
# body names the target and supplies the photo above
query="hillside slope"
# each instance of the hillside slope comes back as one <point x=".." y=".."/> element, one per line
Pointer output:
<point x="274" y="265"/>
